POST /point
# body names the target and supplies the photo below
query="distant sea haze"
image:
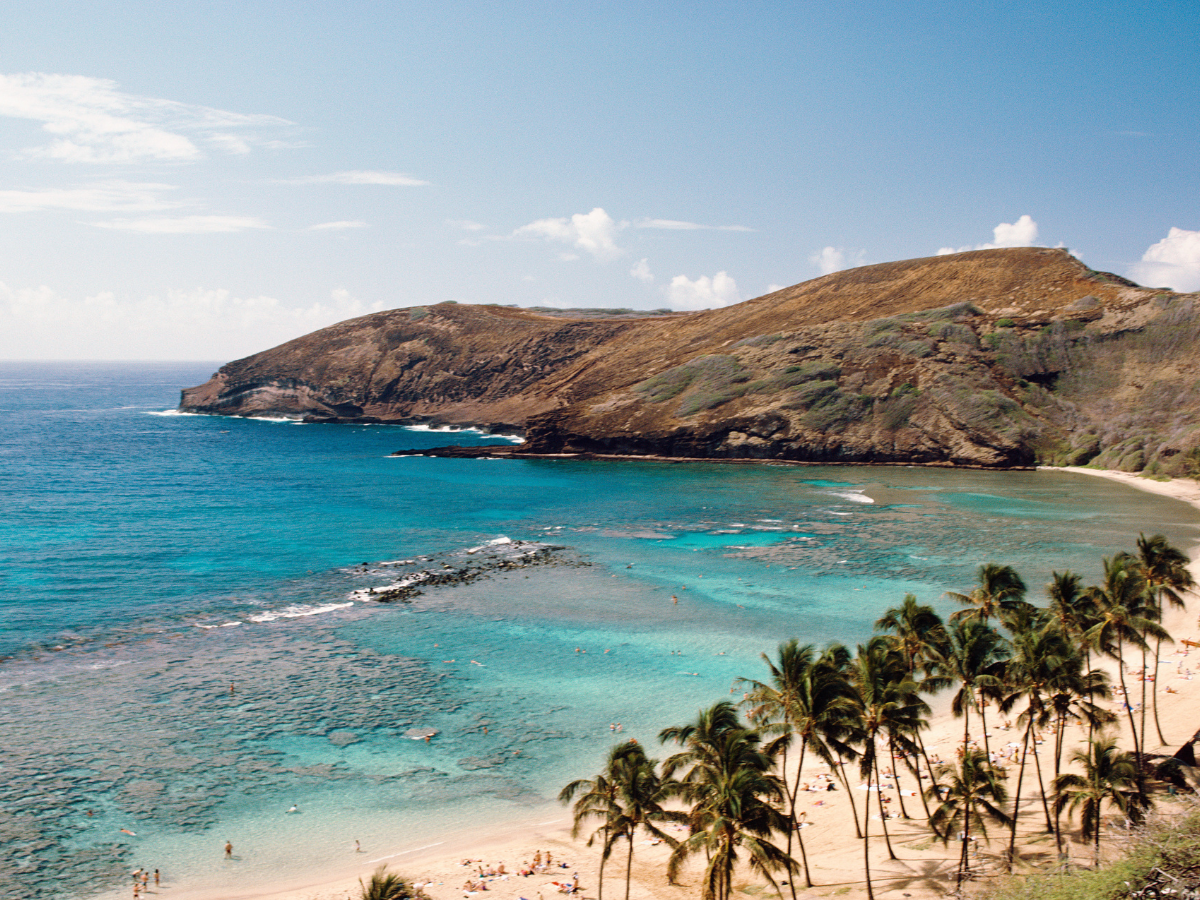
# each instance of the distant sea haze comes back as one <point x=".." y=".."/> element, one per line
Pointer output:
<point x="194" y="642"/>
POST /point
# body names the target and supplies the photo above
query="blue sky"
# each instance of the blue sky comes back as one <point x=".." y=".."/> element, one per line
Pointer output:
<point x="204" y="180"/>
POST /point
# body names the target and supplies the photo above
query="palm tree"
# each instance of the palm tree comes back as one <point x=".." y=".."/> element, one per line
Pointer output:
<point x="974" y="658"/>
<point x="385" y="885"/>
<point x="728" y="784"/>
<point x="599" y="797"/>
<point x="968" y="796"/>
<point x="1165" y="569"/>
<point x="1109" y="775"/>
<point x="1123" y="617"/>
<point x="887" y="709"/>
<point x="920" y="636"/>
<point x="1040" y="650"/>
<point x="804" y="700"/>
<point x="1072" y="690"/>
<point x="641" y="794"/>
<point x="1000" y="590"/>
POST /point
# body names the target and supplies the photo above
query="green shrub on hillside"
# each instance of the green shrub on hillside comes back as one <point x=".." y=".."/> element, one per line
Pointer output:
<point x="707" y="380"/>
<point x="919" y="348"/>
<point x="953" y="332"/>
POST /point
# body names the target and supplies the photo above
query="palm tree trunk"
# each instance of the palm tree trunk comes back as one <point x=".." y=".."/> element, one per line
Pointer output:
<point x="917" y="772"/>
<point x="882" y="812"/>
<point x="1059" y="729"/>
<point x="1042" y="787"/>
<point x="1144" y="673"/>
<point x="1012" y="834"/>
<point x="983" y="724"/>
<point x="792" y="790"/>
<point x="962" y="860"/>
<point x="629" y="865"/>
<point x="1137" y="750"/>
<point x="796" y="825"/>
<point x="865" y="834"/>
<point x="603" y="860"/>
<point x="896" y="777"/>
<point x="1154" y="690"/>
<point x="858" y="832"/>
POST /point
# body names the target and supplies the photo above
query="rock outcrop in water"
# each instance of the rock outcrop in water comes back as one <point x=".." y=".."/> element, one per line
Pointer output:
<point x="995" y="358"/>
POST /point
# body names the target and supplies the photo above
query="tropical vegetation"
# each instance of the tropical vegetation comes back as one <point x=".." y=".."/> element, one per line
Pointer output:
<point x="730" y="787"/>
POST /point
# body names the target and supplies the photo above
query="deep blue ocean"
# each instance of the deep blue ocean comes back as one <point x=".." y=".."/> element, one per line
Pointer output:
<point x="189" y="645"/>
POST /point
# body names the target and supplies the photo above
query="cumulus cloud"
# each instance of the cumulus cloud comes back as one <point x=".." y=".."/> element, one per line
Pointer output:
<point x="1021" y="233"/>
<point x="642" y="271"/>
<point x="186" y="224"/>
<point x="592" y="232"/>
<point x="182" y="324"/>
<point x="91" y="121"/>
<point x="111" y="196"/>
<point x="703" y="293"/>
<point x="675" y="225"/>
<point x="834" y="259"/>
<point x="338" y="226"/>
<point x="391" y="179"/>
<point x="1173" y="262"/>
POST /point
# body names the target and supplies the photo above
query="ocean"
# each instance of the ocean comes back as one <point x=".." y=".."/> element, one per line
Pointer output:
<point x="220" y="629"/>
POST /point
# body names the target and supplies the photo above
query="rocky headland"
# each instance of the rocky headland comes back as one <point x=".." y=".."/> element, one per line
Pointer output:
<point x="993" y="358"/>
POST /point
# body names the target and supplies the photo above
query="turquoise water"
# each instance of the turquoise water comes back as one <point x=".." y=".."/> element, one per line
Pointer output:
<point x="149" y="561"/>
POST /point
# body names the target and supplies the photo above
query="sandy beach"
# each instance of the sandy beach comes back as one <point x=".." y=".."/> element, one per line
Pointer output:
<point x="924" y="868"/>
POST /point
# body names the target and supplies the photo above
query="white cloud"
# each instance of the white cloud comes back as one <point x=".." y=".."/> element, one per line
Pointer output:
<point x="772" y="288"/>
<point x="592" y="232"/>
<point x="338" y="226"/>
<point x="186" y="224"/>
<point x="675" y="225"/>
<point x="1173" y="262"/>
<point x="391" y="179"/>
<point x="182" y="324"/>
<point x="1021" y="233"/>
<point x="465" y="224"/>
<point x="834" y="259"/>
<point x="111" y="196"/>
<point x="703" y="293"/>
<point x="642" y="271"/>
<point x="93" y="122"/>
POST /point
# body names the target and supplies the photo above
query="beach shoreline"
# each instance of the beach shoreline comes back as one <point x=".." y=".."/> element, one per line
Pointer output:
<point x="438" y="861"/>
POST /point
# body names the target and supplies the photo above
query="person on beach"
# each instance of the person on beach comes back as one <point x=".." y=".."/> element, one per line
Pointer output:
<point x="229" y="849"/>
<point x="156" y="877"/>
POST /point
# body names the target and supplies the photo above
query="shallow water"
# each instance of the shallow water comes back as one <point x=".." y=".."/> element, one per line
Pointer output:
<point x="151" y="561"/>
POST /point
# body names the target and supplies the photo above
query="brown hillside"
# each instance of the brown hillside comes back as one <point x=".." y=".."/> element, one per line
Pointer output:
<point x="953" y="360"/>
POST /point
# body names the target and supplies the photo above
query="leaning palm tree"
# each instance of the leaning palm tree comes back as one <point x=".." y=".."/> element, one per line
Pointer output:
<point x="1000" y="590"/>
<point x="974" y="658"/>
<point x="887" y="710"/>
<point x="968" y="796"/>
<point x="1124" y="616"/>
<point x="385" y="885"/>
<point x="920" y="636"/>
<point x="1040" y="651"/>
<point x="641" y="793"/>
<point x="1165" y="569"/>
<point x="1109" y="775"/>
<point x="803" y="701"/>
<point x="727" y="783"/>
<point x="1072" y="691"/>
<point x="599" y="797"/>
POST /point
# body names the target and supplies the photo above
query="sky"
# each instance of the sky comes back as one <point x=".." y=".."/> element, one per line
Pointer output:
<point x="207" y="180"/>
